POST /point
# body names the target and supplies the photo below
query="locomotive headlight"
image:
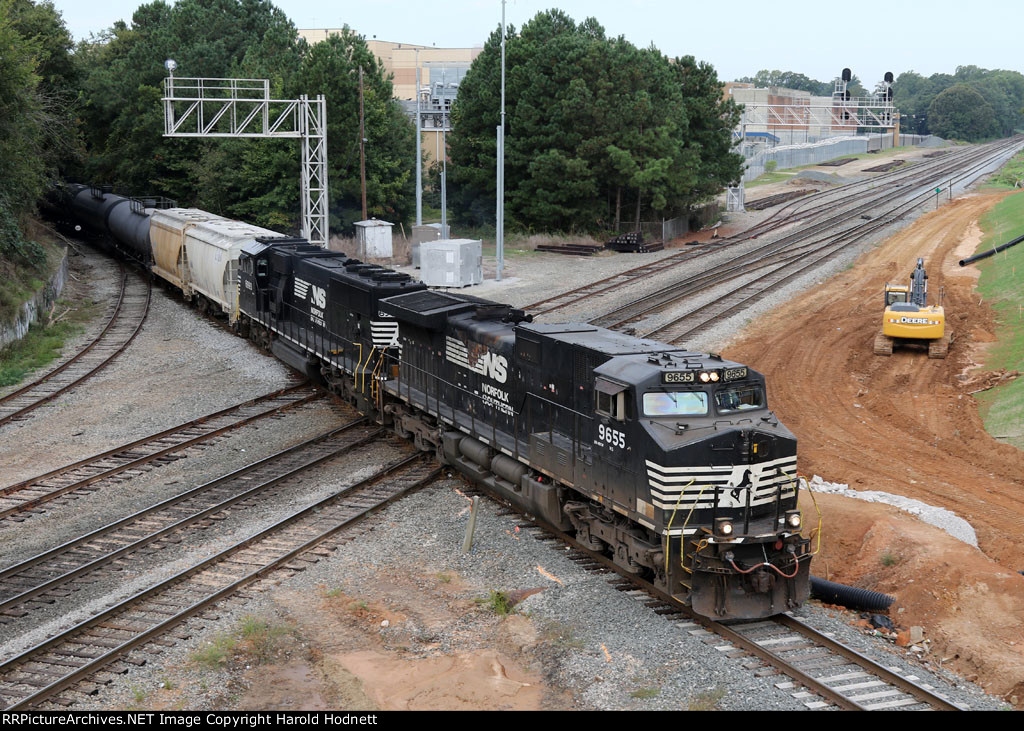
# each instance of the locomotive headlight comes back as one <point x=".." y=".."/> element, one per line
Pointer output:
<point x="705" y="377"/>
<point x="714" y="376"/>
<point x="793" y="519"/>
<point x="723" y="528"/>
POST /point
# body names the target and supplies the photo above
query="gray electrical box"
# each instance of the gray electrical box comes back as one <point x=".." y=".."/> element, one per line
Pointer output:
<point x="451" y="262"/>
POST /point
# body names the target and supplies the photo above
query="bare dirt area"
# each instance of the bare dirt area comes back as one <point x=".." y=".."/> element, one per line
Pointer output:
<point x="908" y="425"/>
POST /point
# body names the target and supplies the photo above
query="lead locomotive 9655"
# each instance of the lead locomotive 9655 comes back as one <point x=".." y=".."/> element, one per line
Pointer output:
<point x="667" y="460"/>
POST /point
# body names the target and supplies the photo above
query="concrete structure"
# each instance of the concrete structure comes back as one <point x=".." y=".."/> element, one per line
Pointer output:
<point x="451" y="262"/>
<point x="373" y="239"/>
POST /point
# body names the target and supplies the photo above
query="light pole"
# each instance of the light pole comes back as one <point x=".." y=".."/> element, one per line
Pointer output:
<point x="500" y="238"/>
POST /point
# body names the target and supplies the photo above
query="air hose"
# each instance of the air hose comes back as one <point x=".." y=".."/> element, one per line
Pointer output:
<point x="849" y="596"/>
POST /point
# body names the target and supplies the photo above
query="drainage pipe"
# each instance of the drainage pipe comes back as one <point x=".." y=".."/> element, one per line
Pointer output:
<point x="849" y="596"/>
<point x="990" y="252"/>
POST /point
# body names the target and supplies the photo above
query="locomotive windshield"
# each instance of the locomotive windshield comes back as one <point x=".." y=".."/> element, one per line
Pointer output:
<point x="676" y="403"/>
<point x="741" y="398"/>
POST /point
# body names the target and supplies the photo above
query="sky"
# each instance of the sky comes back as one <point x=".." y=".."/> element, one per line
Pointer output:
<point x="738" y="37"/>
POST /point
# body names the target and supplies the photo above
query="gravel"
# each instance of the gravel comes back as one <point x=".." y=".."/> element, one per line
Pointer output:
<point x="198" y="543"/>
<point x="180" y="367"/>
<point x="939" y="517"/>
<point x="603" y="647"/>
<point x="600" y="646"/>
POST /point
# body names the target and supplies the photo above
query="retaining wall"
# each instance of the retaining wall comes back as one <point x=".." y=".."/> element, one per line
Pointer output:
<point x="36" y="307"/>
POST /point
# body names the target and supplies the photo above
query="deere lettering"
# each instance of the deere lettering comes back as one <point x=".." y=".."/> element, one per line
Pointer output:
<point x="914" y="321"/>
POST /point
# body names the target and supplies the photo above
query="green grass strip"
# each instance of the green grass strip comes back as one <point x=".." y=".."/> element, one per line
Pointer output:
<point x="1002" y="286"/>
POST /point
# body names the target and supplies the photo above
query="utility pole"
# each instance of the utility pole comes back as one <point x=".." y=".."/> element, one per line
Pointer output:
<point x="500" y="238"/>
<point x="419" y="136"/>
<point x="444" y="185"/>
<point x="362" y="142"/>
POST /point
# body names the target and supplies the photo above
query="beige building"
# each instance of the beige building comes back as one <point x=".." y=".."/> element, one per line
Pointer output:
<point x="438" y="67"/>
<point x="399" y="59"/>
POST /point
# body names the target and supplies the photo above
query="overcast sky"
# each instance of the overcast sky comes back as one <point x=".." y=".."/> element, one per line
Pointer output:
<point x="738" y="37"/>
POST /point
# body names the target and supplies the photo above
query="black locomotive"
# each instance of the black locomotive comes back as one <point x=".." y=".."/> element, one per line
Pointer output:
<point x="668" y="460"/>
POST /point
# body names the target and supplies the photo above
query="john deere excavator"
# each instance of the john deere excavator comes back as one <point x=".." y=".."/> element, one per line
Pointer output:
<point x="908" y="319"/>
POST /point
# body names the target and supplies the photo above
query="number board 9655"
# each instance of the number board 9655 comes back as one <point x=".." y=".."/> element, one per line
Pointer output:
<point x="678" y="377"/>
<point x="734" y="374"/>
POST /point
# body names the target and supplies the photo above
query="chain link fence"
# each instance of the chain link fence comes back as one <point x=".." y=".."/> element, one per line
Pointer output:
<point x="792" y="156"/>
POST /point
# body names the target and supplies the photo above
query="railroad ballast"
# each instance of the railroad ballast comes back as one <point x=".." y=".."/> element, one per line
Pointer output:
<point x="669" y="461"/>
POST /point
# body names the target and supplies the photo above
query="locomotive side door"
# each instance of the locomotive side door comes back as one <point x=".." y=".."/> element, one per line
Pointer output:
<point x="612" y="450"/>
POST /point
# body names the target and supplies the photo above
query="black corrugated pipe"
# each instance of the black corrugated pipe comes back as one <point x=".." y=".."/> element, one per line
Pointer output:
<point x="849" y="596"/>
<point x="990" y="252"/>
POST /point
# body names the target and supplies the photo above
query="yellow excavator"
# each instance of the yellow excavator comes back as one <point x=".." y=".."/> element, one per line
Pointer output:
<point x="908" y="319"/>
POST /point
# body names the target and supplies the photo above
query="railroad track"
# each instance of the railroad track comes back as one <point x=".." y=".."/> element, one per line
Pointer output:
<point x="820" y="211"/>
<point x="785" y="259"/>
<point x="121" y="328"/>
<point x="53" y="575"/>
<point x="101" y="646"/>
<point x="823" y="673"/>
<point x="28" y="497"/>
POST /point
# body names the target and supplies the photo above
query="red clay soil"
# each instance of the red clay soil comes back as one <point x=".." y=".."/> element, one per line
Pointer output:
<point x="908" y="425"/>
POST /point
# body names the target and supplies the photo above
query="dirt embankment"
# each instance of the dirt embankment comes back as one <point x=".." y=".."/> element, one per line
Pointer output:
<point x="908" y="425"/>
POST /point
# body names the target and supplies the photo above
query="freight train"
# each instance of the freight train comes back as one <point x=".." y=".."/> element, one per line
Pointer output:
<point x="667" y="460"/>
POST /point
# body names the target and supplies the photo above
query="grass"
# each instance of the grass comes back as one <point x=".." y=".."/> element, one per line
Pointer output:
<point x="497" y="602"/>
<point x="707" y="700"/>
<point x="261" y="638"/>
<point x="1011" y="175"/>
<point x="645" y="693"/>
<point x="889" y="559"/>
<point x="43" y="344"/>
<point x="1002" y="408"/>
<point x="766" y="178"/>
<point x="216" y="653"/>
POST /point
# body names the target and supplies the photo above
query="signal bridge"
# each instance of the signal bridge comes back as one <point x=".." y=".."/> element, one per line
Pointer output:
<point x="208" y="107"/>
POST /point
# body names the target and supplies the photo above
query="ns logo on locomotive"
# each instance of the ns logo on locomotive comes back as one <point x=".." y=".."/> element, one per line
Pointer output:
<point x="667" y="460"/>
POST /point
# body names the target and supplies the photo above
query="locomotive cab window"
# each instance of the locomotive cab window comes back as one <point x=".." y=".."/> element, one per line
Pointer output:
<point x="261" y="268"/>
<point x="610" y="399"/>
<point x="740" y="398"/>
<point x="676" y="403"/>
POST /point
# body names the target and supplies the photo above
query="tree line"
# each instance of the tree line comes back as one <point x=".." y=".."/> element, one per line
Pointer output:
<point x="38" y="138"/>
<point x="253" y="179"/>
<point x="598" y="131"/>
<point x="793" y="80"/>
<point x="972" y="104"/>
